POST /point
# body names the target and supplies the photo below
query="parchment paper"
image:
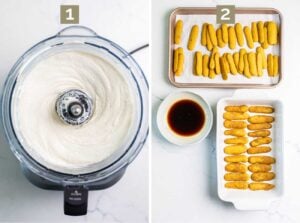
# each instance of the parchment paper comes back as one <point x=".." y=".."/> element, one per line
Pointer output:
<point x="245" y="19"/>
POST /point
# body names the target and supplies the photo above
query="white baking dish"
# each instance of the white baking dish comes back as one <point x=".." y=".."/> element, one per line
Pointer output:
<point x="247" y="199"/>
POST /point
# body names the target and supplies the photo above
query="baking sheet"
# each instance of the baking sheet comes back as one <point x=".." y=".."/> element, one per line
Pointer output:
<point x="188" y="77"/>
<point x="247" y="199"/>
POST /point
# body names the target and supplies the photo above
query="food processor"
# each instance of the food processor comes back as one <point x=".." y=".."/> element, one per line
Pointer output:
<point x="76" y="107"/>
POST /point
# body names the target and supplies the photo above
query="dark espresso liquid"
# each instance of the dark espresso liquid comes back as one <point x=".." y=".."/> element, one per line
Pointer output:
<point x="186" y="117"/>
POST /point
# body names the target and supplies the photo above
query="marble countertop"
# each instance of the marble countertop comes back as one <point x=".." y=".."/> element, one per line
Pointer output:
<point x="184" y="182"/>
<point x="24" y="23"/>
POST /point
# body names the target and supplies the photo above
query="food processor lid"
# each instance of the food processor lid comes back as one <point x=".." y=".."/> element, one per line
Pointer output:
<point x="77" y="112"/>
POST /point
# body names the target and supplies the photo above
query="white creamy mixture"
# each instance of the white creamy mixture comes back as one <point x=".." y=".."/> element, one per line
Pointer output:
<point x="64" y="147"/>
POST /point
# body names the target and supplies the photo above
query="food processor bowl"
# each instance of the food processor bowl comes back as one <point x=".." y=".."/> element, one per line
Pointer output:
<point x="97" y="176"/>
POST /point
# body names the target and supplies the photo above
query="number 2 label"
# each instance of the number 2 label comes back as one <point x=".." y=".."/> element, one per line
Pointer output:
<point x="225" y="14"/>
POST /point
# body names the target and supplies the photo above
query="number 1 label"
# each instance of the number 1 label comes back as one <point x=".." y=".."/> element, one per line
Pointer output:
<point x="69" y="14"/>
<point x="225" y="14"/>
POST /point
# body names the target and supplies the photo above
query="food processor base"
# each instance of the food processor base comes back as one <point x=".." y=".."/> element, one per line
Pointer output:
<point x="75" y="195"/>
<point x="48" y="185"/>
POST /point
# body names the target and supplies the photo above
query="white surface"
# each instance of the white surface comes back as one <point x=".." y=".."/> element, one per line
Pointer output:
<point x="184" y="180"/>
<point x="24" y="23"/>
<point x="247" y="199"/>
<point x="162" y="119"/>
<point x="245" y="19"/>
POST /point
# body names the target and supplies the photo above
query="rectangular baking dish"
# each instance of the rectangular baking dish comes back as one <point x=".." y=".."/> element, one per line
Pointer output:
<point x="208" y="83"/>
<point x="247" y="199"/>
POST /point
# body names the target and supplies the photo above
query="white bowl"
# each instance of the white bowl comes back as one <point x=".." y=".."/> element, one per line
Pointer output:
<point x="164" y="127"/>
